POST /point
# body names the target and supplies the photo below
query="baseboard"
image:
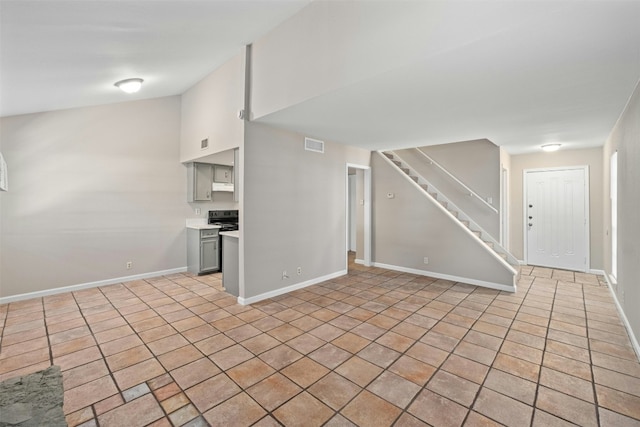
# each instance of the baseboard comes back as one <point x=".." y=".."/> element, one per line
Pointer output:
<point x="627" y="325"/>
<point x="597" y="272"/>
<point x="291" y="288"/>
<point x="491" y="285"/>
<point x="521" y="262"/>
<point x="359" y="261"/>
<point x="72" y="288"/>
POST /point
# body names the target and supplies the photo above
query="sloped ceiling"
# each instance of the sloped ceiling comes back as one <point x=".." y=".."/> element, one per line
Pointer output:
<point x="57" y="54"/>
<point x="562" y="73"/>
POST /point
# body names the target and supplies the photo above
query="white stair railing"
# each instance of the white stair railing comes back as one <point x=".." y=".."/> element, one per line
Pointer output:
<point x="468" y="190"/>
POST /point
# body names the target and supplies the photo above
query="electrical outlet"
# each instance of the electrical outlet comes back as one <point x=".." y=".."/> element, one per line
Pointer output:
<point x="198" y="211"/>
<point x="426" y="260"/>
<point x="284" y="274"/>
<point x="129" y="265"/>
<point x="299" y="271"/>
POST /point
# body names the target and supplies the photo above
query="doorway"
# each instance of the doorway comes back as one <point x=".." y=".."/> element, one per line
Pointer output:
<point x="556" y="217"/>
<point x="358" y="213"/>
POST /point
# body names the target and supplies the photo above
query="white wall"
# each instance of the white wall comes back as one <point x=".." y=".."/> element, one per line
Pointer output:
<point x="625" y="138"/>
<point x="591" y="157"/>
<point x="92" y="188"/>
<point x="210" y="110"/>
<point x="294" y="208"/>
<point x="409" y="227"/>
<point x="476" y="164"/>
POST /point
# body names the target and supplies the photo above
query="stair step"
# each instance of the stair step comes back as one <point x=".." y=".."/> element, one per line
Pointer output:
<point x="425" y="187"/>
<point x="503" y="256"/>
<point x="465" y="222"/>
<point x="434" y="195"/>
<point x="477" y="233"/>
<point x="415" y="178"/>
<point x="397" y="162"/>
<point x="405" y="170"/>
<point x="454" y="213"/>
<point x="389" y="155"/>
<point x="443" y="203"/>
<point x="490" y="244"/>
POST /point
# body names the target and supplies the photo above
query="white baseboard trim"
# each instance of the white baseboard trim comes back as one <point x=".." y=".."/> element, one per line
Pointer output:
<point x="491" y="285"/>
<point x="359" y="261"/>
<point x="72" y="288"/>
<point x="291" y="288"/>
<point x="597" y="272"/>
<point x="623" y="316"/>
<point x="522" y="262"/>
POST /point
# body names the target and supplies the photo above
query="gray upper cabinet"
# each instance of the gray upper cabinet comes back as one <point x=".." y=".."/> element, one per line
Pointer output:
<point x="222" y="174"/>
<point x="199" y="180"/>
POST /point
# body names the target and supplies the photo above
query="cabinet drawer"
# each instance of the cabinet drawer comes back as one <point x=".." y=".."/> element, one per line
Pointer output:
<point x="208" y="234"/>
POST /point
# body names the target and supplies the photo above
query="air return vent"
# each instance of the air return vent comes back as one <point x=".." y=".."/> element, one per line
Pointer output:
<point x="314" y="145"/>
<point x="204" y="144"/>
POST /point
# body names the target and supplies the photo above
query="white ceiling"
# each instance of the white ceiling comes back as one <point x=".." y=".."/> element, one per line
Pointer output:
<point x="561" y="73"/>
<point x="57" y="54"/>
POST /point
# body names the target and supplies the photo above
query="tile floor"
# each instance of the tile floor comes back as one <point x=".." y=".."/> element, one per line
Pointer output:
<point x="373" y="348"/>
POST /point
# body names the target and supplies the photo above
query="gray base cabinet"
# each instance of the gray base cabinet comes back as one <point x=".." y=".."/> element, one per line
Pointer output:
<point x="203" y="254"/>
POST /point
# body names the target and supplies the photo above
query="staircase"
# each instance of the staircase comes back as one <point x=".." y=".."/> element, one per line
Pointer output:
<point x="455" y="213"/>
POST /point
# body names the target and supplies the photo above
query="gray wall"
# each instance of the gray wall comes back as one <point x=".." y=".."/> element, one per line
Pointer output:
<point x="591" y="157"/>
<point x="409" y="227"/>
<point x="625" y="138"/>
<point x="294" y="208"/>
<point x="91" y="189"/>
<point x="476" y="164"/>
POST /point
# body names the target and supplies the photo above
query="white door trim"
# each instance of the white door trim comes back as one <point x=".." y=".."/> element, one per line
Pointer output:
<point x="504" y="208"/>
<point x="584" y="168"/>
<point x="367" y="213"/>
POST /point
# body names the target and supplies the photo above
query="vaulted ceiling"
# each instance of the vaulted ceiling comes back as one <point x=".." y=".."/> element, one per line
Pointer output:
<point x="538" y="72"/>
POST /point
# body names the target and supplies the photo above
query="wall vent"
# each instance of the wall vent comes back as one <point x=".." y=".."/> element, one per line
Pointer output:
<point x="204" y="143"/>
<point x="314" y="145"/>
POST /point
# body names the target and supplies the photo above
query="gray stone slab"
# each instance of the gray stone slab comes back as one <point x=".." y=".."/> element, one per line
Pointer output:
<point x="33" y="400"/>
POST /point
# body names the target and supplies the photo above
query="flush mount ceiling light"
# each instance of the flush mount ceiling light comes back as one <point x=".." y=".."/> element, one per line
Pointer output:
<point x="129" y="85"/>
<point x="551" y="147"/>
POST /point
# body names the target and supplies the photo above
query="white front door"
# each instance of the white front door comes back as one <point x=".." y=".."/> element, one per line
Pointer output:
<point x="556" y="218"/>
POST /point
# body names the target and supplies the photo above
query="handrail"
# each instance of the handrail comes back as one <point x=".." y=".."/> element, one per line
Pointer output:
<point x="471" y="192"/>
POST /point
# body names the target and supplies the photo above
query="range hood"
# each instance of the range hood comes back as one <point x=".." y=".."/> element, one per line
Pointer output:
<point x="222" y="186"/>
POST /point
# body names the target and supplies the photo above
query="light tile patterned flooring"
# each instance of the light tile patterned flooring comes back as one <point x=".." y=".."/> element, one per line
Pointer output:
<point x="373" y="348"/>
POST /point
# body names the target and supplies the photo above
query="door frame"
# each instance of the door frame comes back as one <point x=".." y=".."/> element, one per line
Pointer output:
<point x="367" y="213"/>
<point x="585" y="169"/>
<point x="504" y="208"/>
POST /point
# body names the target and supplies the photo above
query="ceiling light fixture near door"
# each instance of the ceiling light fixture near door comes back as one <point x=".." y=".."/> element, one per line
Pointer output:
<point x="551" y="147"/>
<point x="129" y="85"/>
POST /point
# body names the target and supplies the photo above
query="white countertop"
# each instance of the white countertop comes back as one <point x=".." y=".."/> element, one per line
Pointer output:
<point x="234" y="233"/>
<point x="203" y="226"/>
<point x="200" y="224"/>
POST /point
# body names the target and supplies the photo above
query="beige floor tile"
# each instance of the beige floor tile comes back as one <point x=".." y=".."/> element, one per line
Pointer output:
<point x="304" y="409"/>
<point x="437" y="410"/>
<point x="369" y="409"/>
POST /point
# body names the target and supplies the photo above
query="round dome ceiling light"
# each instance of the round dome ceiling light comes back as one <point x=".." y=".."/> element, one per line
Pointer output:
<point x="129" y="85"/>
<point x="551" y="147"/>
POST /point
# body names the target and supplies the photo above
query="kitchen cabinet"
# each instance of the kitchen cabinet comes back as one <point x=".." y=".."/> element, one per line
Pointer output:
<point x="223" y="174"/>
<point x="199" y="181"/>
<point x="203" y="247"/>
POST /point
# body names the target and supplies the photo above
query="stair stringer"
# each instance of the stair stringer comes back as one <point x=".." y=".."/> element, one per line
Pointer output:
<point x="485" y="239"/>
